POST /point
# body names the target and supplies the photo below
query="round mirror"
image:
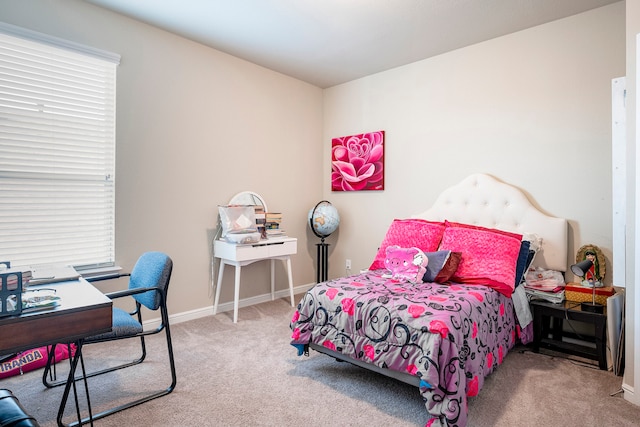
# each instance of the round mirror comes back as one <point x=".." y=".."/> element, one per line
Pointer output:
<point x="248" y="198"/>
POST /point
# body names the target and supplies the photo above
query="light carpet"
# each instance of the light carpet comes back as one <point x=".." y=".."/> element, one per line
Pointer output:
<point x="247" y="374"/>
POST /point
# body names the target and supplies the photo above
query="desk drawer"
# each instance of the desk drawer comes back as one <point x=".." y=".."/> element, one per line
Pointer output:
<point x="248" y="252"/>
<point x="286" y="248"/>
<point x="258" y="251"/>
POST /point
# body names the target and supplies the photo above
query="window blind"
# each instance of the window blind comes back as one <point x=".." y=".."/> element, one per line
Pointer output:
<point x="57" y="153"/>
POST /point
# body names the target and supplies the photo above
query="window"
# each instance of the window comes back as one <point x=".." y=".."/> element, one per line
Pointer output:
<point x="57" y="151"/>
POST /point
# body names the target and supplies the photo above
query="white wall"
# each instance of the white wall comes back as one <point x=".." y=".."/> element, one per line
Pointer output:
<point x="194" y="127"/>
<point x="632" y="323"/>
<point x="532" y="108"/>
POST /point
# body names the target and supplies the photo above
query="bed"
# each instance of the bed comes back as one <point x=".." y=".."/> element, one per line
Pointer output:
<point x="447" y="334"/>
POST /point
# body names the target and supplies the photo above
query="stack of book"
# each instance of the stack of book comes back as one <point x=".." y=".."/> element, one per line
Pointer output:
<point x="260" y="220"/>
<point x="542" y="284"/>
<point x="552" y="292"/>
<point x="272" y="225"/>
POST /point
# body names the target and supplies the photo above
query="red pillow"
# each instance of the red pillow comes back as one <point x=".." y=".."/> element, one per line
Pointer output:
<point x="442" y="266"/>
<point x="489" y="256"/>
<point x="406" y="233"/>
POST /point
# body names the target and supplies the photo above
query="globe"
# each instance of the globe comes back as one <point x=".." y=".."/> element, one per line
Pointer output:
<point x="323" y="219"/>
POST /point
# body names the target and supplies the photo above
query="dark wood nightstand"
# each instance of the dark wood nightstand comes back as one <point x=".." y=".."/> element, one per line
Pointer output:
<point x="548" y="319"/>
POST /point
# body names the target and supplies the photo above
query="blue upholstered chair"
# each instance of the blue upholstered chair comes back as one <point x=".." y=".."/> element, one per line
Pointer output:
<point x="148" y="285"/>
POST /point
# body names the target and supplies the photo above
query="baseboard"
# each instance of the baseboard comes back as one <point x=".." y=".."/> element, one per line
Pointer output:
<point x="629" y="394"/>
<point x="227" y="306"/>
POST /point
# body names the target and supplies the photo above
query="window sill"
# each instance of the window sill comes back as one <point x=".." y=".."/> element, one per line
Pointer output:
<point x="102" y="273"/>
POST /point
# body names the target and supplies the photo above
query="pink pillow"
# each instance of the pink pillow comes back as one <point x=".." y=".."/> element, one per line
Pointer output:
<point x="489" y="256"/>
<point x="406" y="264"/>
<point x="406" y="233"/>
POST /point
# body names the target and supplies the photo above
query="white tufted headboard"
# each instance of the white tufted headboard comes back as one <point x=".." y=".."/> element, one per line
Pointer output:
<point x="482" y="200"/>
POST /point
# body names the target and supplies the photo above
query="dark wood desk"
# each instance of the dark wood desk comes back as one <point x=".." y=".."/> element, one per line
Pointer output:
<point x="548" y="319"/>
<point x="83" y="311"/>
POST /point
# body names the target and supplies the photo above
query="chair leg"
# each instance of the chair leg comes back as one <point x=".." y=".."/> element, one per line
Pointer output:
<point x="103" y="414"/>
<point x="49" y="376"/>
<point x="152" y="396"/>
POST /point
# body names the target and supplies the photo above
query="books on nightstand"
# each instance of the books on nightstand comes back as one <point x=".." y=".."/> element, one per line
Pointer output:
<point x="544" y="285"/>
<point x="555" y="296"/>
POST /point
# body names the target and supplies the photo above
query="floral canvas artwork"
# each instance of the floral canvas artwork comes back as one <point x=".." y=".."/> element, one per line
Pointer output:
<point x="357" y="162"/>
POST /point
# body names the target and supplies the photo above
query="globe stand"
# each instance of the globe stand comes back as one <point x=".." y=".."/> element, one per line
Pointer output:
<point x="323" y="265"/>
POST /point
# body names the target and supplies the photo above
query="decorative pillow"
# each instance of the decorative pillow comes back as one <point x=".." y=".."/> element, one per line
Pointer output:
<point x="489" y="256"/>
<point x="442" y="266"/>
<point x="406" y="264"/>
<point x="530" y="258"/>
<point x="521" y="263"/>
<point x="531" y="244"/>
<point x="535" y="241"/>
<point x="406" y="233"/>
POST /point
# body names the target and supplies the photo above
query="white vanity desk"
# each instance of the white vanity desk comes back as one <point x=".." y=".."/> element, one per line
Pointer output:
<point x="239" y="255"/>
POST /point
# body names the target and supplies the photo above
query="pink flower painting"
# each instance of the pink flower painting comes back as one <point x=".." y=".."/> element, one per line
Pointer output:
<point x="357" y="162"/>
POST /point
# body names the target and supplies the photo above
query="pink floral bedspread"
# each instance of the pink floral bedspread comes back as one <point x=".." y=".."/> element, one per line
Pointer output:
<point x="450" y="336"/>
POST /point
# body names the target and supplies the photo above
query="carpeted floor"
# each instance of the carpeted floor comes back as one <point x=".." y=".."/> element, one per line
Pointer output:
<point x="247" y="374"/>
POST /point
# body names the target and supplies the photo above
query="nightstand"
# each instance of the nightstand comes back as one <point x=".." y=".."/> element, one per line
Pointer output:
<point x="240" y="255"/>
<point x="548" y="320"/>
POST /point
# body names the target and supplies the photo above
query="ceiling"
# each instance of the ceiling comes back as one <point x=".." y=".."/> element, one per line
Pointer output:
<point x="328" y="42"/>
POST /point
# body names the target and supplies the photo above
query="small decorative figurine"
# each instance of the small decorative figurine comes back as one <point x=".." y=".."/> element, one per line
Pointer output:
<point x="595" y="275"/>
